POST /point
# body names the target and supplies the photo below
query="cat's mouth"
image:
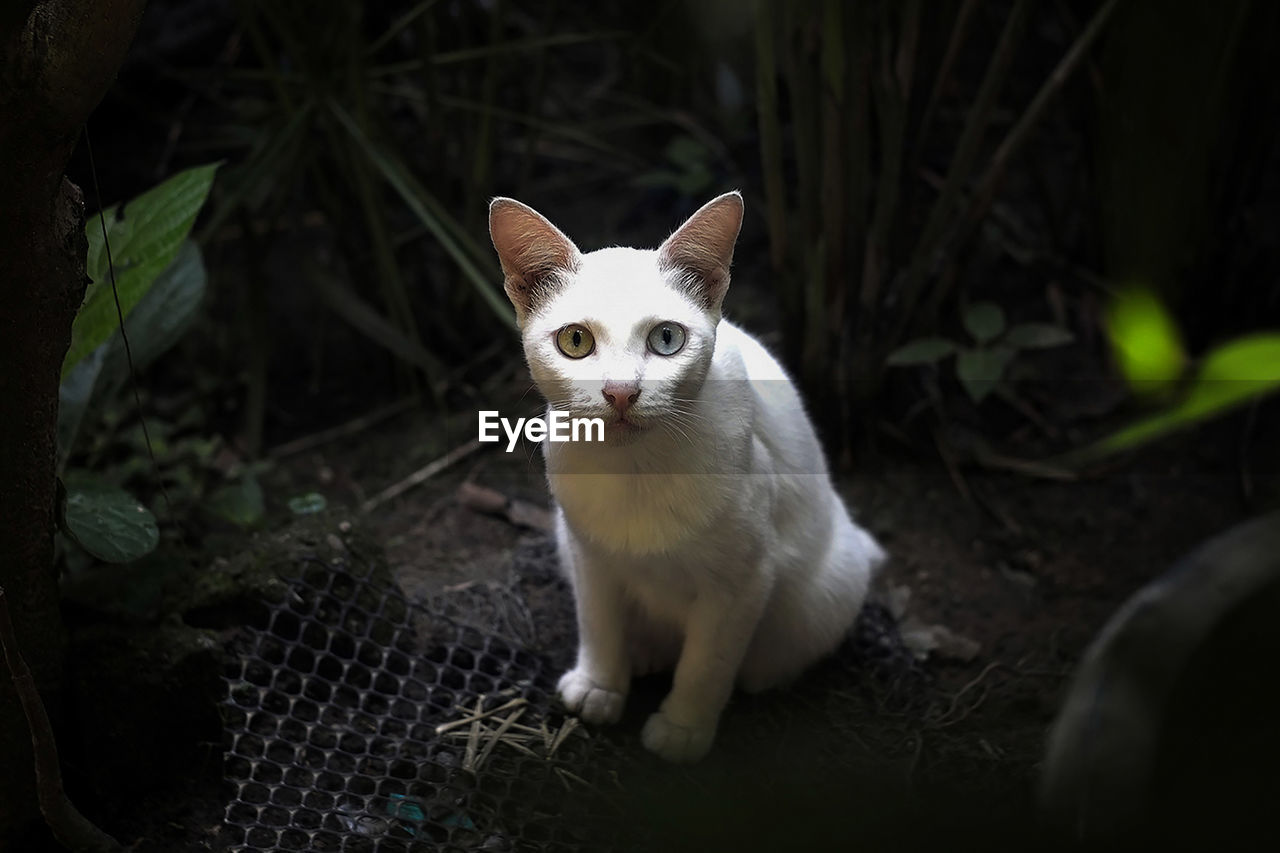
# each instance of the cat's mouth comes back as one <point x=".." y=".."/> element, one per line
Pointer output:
<point x="624" y="423"/>
<point x="617" y="423"/>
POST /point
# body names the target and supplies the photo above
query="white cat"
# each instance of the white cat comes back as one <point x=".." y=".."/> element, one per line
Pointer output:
<point x="704" y="531"/>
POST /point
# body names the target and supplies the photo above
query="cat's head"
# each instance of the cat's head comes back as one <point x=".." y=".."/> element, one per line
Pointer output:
<point x="626" y="335"/>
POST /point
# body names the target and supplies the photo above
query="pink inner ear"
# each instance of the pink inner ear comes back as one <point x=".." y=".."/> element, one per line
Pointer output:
<point x="527" y="242"/>
<point x="703" y="246"/>
<point x="530" y="249"/>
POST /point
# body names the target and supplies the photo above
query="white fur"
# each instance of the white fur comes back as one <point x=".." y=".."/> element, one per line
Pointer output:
<point x="711" y="538"/>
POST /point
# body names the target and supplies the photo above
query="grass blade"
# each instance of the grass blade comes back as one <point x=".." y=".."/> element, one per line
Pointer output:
<point x="775" y="191"/>
<point x="963" y="161"/>
<point x="430" y="213"/>
<point x="366" y="320"/>
<point x="959" y="30"/>
<point x="261" y="169"/>
<point x="1031" y="115"/>
<point x="472" y="54"/>
<point x="399" y="25"/>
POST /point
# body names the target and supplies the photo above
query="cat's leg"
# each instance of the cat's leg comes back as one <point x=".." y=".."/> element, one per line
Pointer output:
<point x="652" y="644"/>
<point x="596" y="688"/>
<point x="717" y="633"/>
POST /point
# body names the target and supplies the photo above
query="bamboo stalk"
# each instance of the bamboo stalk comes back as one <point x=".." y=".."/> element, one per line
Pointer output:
<point x="1019" y="133"/>
<point x="834" y="212"/>
<point x="894" y="93"/>
<point x="962" y="163"/>
<point x="770" y="132"/>
<point x="959" y="30"/>
<point x="984" y="193"/>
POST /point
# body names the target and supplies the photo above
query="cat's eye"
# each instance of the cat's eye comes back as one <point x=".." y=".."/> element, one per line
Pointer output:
<point x="575" y="341"/>
<point x="666" y="338"/>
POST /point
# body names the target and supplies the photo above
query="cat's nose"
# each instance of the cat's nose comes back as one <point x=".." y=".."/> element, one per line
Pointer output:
<point x="621" y="395"/>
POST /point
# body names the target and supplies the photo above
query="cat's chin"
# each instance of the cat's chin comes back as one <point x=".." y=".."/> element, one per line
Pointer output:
<point x="621" y="431"/>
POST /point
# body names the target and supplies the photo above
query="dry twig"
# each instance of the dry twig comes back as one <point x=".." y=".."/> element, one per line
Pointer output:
<point x="949" y="716"/>
<point x="496" y="737"/>
<point x="478" y="714"/>
<point x="420" y="476"/>
<point x="346" y="430"/>
<point x="469" y="758"/>
<point x="565" y="730"/>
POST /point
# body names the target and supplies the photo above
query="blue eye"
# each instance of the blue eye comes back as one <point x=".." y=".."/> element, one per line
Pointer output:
<point x="666" y="339"/>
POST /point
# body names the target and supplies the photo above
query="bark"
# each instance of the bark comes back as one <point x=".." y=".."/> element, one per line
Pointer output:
<point x="57" y="59"/>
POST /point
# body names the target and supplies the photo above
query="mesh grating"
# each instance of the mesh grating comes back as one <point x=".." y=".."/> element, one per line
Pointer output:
<point x="360" y="722"/>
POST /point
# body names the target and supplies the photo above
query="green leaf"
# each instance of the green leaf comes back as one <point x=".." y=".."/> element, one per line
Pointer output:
<point x="74" y="395"/>
<point x="308" y="504"/>
<point x="274" y="163"/>
<point x="109" y="523"/>
<point x="156" y="324"/>
<point x="985" y="321"/>
<point x="1235" y="373"/>
<point x="1037" y="336"/>
<point x="144" y="237"/>
<point x="240" y="503"/>
<point x="366" y="319"/>
<point x="921" y="351"/>
<point x="163" y="316"/>
<point x="533" y="44"/>
<point x="687" y="152"/>
<point x="980" y="370"/>
<point x="431" y="214"/>
<point x="1145" y="340"/>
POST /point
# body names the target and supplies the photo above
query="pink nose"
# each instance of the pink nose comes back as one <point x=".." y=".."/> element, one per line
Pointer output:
<point x="621" y="395"/>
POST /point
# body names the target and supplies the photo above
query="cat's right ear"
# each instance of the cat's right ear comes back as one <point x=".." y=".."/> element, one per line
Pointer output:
<point x="534" y="253"/>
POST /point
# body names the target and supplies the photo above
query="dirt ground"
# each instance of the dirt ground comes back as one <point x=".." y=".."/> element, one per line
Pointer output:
<point x="879" y="747"/>
<point x="1028" y="569"/>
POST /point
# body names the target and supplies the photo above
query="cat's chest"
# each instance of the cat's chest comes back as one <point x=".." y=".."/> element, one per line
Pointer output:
<point x="640" y="513"/>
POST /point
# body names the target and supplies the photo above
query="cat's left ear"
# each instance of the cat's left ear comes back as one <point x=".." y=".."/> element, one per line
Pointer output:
<point x="702" y="248"/>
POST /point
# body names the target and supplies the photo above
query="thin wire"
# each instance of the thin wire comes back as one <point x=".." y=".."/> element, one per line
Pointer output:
<point x="128" y="352"/>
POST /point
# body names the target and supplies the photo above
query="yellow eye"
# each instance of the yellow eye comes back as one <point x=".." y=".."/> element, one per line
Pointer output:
<point x="575" y="341"/>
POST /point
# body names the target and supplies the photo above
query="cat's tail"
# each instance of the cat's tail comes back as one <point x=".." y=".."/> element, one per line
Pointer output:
<point x="867" y="545"/>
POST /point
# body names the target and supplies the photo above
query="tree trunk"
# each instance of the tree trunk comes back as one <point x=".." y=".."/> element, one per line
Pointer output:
<point x="57" y="58"/>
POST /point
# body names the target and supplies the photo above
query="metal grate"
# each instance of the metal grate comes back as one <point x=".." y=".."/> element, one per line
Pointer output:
<point x="360" y="722"/>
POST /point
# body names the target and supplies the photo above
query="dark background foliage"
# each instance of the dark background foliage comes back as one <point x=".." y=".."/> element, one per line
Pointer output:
<point x="912" y="170"/>
<point x="347" y="235"/>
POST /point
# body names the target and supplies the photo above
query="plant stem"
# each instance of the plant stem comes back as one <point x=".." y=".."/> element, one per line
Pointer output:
<point x="72" y="829"/>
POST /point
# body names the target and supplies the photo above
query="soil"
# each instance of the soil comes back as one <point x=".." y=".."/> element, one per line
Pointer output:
<point x="881" y="746"/>
<point x="890" y="751"/>
<point x="1029" y="569"/>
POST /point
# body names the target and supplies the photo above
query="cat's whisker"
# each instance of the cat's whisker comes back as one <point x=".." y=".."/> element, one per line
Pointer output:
<point x="686" y="419"/>
<point x="692" y="415"/>
<point x="674" y="426"/>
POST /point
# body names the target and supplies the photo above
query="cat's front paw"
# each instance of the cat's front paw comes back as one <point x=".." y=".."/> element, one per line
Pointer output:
<point x="589" y="700"/>
<point x="675" y="742"/>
